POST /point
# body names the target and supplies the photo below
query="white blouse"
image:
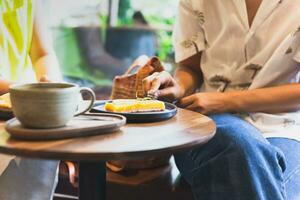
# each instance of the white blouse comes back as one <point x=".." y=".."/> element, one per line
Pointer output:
<point x="238" y="57"/>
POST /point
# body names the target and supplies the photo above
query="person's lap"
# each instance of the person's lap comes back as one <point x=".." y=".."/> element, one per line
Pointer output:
<point x="291" y="151"/>
<point x="29" y="179"/>
<point x="238" y="163"/>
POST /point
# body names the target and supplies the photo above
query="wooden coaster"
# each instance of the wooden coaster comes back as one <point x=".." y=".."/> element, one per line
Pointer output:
<point x="83" y="125"/>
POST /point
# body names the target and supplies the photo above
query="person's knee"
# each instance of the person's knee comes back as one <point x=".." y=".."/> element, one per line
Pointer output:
<point x="233" y="127"/>
<point x="240" y="140"/>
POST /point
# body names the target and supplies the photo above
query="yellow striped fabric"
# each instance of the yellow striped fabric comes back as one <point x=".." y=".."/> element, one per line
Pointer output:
<point x="16" y="25"/>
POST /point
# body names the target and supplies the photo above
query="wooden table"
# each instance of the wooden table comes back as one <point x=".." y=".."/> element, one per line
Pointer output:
<point x="186" y="130"/>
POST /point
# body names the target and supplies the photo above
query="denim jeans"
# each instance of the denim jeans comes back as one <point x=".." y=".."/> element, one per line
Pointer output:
<point x="29" y="179"/>
<point x="239" y="164"/>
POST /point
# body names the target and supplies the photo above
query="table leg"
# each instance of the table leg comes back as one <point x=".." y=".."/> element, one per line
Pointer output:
<point x="92" y="181"/>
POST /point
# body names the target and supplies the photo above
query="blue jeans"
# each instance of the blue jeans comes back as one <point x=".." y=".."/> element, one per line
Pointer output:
<point x="30" y="179"/>
<point x="239" y="164"/>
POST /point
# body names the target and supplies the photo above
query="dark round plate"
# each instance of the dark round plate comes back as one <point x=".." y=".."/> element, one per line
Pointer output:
<point x="6" y="114"/>
<point x="140" y="117"/>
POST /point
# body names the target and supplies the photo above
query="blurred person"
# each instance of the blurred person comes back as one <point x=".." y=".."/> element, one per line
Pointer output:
<point x="239" y="63"/>
<point x="26" y="56"/>
<point x="95" y="55"/>
<point x="139" y="19"/>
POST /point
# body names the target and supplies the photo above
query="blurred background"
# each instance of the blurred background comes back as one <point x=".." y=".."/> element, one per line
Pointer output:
<point x="98" y="39"/>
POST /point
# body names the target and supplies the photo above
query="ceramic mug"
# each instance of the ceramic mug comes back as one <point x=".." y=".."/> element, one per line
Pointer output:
<point x="48" y="105"/>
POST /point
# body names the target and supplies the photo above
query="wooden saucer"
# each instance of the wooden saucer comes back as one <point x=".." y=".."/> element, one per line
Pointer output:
<point x="83" y="125"/>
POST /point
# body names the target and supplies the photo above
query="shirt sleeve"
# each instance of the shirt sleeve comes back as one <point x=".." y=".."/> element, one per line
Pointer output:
<point x="188" y="34"/>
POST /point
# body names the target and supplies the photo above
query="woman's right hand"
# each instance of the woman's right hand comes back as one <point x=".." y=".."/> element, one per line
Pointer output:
<point x="163" y="86"/>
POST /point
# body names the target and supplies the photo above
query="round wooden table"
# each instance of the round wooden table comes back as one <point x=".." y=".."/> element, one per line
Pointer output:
<point x="186" y="130"/>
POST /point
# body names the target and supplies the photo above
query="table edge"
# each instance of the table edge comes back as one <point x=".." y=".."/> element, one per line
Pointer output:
<point x="51" y="155"/>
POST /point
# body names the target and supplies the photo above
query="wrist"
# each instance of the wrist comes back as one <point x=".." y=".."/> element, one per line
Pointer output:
<point x="231" y="102"/>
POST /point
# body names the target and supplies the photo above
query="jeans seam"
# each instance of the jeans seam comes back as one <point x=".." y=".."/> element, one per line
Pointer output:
<point x="289" y="177"/>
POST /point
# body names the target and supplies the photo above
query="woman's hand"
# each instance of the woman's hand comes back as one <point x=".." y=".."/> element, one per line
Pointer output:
<point x="163" y="86"/>
<point x="44" y="79"/>
<point x="205" y="103"/>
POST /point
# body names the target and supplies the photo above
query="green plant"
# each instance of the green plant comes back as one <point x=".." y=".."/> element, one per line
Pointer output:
<point x="103" y="24"/>
<point x="125" y="12"/>
<point x="165" y="50"/>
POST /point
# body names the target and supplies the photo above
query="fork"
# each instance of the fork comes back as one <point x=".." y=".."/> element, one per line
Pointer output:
<point x="151" y="96"/>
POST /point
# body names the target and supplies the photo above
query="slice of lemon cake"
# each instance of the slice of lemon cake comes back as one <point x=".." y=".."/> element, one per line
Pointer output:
<point x="134" y="105"/>
<point x="5" y="101"/>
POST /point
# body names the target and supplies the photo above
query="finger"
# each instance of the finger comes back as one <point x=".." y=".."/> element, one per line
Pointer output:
<point x="44" y="79"/>
<point x="186" y="101"/>
<point x="194" y="107"/>
<point x="161" y="79"/>
<point x="147" y="82"/>
<point x="198" y="108"/>
<point x="166" y="94"/>
<point x="155" y="85"/>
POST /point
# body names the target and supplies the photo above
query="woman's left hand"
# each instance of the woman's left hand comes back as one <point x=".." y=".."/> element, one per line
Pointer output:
<point x="205" y="103"/>
<point x="44" y="79"/>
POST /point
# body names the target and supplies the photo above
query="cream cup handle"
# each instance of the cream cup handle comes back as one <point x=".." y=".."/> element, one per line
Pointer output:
<point x="93" y="97"/>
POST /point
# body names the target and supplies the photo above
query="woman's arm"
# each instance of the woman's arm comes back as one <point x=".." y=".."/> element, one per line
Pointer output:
<point x="189" y="74"/>
<point x="271" y="100"/>
<point x="42" y="54"/>
<point x="277" y="99"/>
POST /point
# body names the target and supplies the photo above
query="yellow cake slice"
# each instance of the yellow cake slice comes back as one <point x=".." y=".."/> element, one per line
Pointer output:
<point x="5" y="101"/>
<point x="134" y="105"/>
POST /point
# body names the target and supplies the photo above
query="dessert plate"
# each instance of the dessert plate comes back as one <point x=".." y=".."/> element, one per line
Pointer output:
<point x="140" y="117"/>
<point x="5" y="107"/>
<point x="6" y="113"/>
